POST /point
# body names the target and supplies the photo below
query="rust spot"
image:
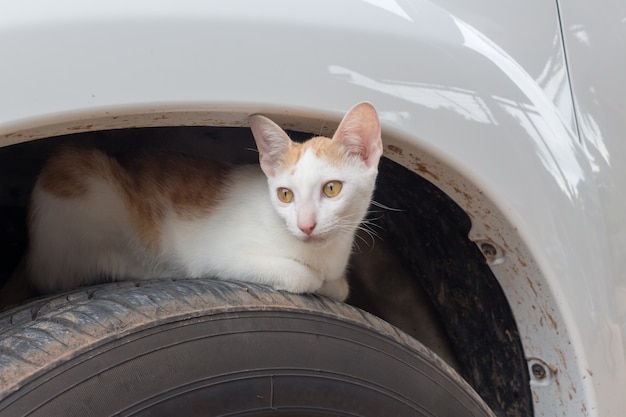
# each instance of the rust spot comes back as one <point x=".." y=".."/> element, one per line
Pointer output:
<point x="562" y="357"/>
<point x="80" y="127"/>
<point x="552" y="321"/>
<point x="424" y="170"/>
<point x="468" y="197"/>
<point x="521" y="262"/>
<point x="536" y="397"/>
<point x="532" y="286"/>
<point x="395" y="149"/>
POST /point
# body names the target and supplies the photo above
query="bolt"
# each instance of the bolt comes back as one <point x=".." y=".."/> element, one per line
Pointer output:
<point x="541" y="374"/>
<point x="493" y="255"/>
<point x="489" y="250"/>
<point x="539" y="371"/>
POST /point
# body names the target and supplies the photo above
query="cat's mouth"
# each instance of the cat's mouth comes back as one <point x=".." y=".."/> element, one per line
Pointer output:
<point x="314" y="239"/>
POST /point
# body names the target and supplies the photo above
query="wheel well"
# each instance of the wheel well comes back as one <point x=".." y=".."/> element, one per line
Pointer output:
<point x="416" y="269"/>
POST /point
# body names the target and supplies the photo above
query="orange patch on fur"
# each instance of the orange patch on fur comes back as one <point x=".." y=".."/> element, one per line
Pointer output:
<point x="321" y="146"/>
<point x="149" y="184"/>
<point x="64" y="174"/>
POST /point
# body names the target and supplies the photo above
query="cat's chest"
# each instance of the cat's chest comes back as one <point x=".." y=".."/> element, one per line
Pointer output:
<point x="235" y="232"/>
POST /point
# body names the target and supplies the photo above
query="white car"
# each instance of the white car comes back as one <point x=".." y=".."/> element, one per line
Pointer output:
<point x="502" y="257"/>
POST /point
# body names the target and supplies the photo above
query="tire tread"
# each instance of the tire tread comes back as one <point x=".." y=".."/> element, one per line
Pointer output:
<point x="44" y="333"/>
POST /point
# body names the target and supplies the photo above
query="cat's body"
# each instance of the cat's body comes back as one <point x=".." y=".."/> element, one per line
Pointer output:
<point x="95" y="218"/>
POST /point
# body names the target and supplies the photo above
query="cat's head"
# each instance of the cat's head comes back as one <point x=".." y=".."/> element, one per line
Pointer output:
<point x="323" y="187"/>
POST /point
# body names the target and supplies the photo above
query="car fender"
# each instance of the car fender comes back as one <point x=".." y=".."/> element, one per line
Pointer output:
<point x="456" y="108"/>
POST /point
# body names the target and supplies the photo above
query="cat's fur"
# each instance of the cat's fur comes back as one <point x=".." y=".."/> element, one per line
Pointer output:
<point x="95" y="218"/>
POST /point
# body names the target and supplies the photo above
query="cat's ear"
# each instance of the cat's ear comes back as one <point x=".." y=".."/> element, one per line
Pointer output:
<point x="359" y="132"/>
<point x="271" y="141"/>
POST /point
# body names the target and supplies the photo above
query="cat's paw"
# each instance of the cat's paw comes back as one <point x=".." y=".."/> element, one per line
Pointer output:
<point x="337" y="289"/>
<point x="300" y="279"/>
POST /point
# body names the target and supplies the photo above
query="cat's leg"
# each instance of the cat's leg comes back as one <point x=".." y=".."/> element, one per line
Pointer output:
<point x="277" y="272"/>
<point x="79" y="241"/>
<point x="336" y="288"/>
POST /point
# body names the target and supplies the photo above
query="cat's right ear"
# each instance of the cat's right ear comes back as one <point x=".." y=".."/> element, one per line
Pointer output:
<point x="359" y="132"/>
<point x="271" y="141"/>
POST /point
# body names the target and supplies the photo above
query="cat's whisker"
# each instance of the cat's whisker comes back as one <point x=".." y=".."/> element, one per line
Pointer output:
<point x="371" y="233"/>
<point x="369" y="243"/>
<point x="382" y="206"/>
<point x="359" y="237"/>
<point x="366" y="225"/>
<point x="369" y="225"/>
<point x="373" y="222"/>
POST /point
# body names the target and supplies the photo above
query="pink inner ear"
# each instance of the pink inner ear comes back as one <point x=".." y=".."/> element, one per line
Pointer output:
<point x="271" y="141"/>
<point x="359" y="132"/>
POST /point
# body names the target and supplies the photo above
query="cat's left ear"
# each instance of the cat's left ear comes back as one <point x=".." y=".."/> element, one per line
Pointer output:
<point x="359" y="132"/>
<point x="271" y="141"/>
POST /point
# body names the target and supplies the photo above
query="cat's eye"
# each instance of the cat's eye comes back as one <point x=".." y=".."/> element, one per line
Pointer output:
<point x="332" y="188"/>
<point x="285" y="195"/>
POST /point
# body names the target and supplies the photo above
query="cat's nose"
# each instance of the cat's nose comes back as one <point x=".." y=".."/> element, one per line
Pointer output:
<point x="307" y="228"/>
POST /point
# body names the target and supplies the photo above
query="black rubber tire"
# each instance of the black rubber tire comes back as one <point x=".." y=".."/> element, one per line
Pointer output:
<point x="212" y="348"/>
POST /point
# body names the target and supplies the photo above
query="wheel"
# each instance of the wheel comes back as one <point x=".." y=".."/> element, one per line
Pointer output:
<point x="214" y="348"/>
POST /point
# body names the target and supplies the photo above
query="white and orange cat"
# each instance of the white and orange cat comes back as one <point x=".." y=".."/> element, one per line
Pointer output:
<point x="289" y="225"/>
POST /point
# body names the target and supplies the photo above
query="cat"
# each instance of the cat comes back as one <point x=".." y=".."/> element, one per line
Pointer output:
<point x="288" y="223"/>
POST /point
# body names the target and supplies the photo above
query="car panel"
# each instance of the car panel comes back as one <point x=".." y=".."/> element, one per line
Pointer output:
<point x="595" y="35"/>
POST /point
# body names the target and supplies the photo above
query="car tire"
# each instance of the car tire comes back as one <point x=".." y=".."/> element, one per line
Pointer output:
<point x="214" y="348"/>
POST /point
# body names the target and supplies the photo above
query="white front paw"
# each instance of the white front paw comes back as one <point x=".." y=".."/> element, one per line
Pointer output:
<point x="337" y="289"/>
<point x="300" y="280"/>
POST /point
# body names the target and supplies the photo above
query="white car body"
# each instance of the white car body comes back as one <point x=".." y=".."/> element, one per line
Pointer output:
<point x="516" y="111"/>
